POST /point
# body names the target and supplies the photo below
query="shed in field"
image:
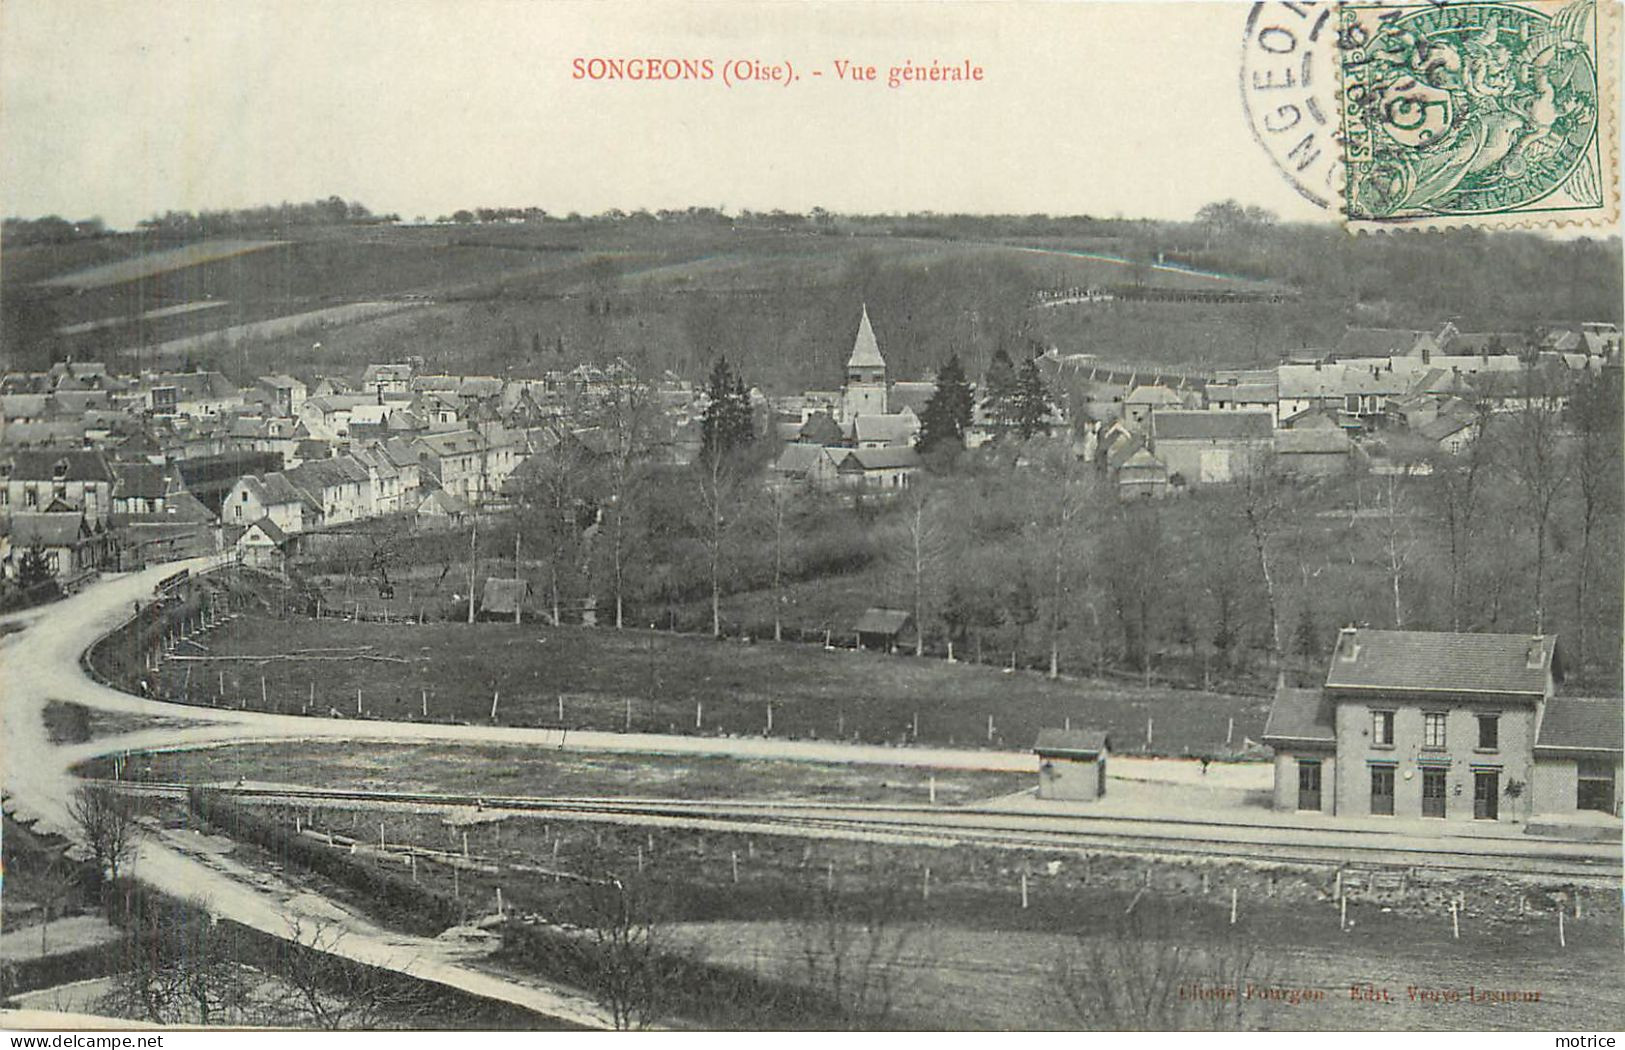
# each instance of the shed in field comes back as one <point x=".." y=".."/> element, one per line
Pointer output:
<point x="504" y="598"/>
<point x="880" y="628"/>
<point x="1072" y="763"/>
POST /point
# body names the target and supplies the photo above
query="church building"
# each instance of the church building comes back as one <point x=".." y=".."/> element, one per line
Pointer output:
<point x="865" y="391"/>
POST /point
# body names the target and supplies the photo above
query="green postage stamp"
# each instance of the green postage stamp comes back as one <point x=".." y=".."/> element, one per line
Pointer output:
<point x="1487" y="114"/>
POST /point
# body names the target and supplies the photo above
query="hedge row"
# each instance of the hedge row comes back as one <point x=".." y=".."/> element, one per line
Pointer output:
<point x="396" y="900"/>
<point x="702" y="994"/>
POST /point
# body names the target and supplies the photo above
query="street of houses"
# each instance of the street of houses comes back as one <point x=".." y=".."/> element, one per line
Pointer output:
<point x="100" y="470"/>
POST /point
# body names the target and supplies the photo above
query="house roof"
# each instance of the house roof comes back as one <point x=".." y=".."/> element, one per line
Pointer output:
<point x="47" y="528"/>
<point x="1442" y="661"/>
<point x="1252" y="393"/>
<point x="78" y="464"/>
<point x="1376" y="342"/>
<point x="1066" y="743"/>
<point x="882" y="621"/>
<point x="892" y="457"/>
<point x="142" y="480"/>
<point x="800" y="459"/>
<point x="821" y="429"/>
<point x="1122" y="448"/>
<point x="892" y="429"/>
<point x="1201" y="425"/>
<point x="191" y="386"/>
<point x="1152" y="395"/>
<point x="1445" y="425"/>
<point x="452" y="442"/>
<point x="1300" y="716"/>
<point x="503" y="597"/>
<point x="47" y="433"/>
<point x="1311" y="440"/>
<point x="1573" y="723"/>
<point x="270" y="530"/>
<point x="440" y="501"/>
<point x="1142" y="459"/>
<point x="865" y="350"/>
<point x="27" y="406"/>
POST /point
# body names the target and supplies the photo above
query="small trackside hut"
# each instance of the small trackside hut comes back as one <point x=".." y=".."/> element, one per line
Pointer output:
<point x="1072" y="764"/>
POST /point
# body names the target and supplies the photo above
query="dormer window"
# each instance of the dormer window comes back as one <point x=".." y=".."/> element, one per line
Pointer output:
<point x="1348" y="648"/>
<point x="59" y="469"/>
<point x="1537" y="653"/>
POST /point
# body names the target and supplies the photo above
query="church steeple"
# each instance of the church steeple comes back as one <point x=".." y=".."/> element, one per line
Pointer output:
<point x="865" y="350"/>
<point x="865" y="391"/>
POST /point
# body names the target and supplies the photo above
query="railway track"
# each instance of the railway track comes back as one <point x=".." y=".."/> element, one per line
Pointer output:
<point x="1259" y="843"/>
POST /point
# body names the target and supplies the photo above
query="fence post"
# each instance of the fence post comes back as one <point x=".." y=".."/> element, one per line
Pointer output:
<point x="1562" y="938"/>
<point x="1024" y="891"/>
<point x="734" y="857"/>
<point x="1235" y="897"/>
<point x="1455" y="920"/>
<point x="425" y="703"/>
<point x="933" y="789"/>
<point x="699" y="712"/>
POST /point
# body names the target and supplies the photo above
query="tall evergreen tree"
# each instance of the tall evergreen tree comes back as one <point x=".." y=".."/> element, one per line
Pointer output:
<point x="1030" y="403"/>
<point x="999" y="390"/>
<point x="947" y="415"/>
<point x="727" y="427"/>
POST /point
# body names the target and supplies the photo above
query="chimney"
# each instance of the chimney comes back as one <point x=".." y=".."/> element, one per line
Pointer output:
<point x="1537" y="653"/>
<point x="1347" y="646"/>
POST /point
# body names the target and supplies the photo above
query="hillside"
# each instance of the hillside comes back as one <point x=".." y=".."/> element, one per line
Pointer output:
<point x="781" y="302"/>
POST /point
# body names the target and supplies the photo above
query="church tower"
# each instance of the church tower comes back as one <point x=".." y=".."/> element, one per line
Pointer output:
<point x="865" y="389"/>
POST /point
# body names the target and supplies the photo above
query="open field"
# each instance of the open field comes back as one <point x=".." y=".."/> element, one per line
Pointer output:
<point x="959" y="911"/>
<point x="452" y="769"/>
<point x="655" y="682"/>
<point x="155" y="264"/>
<point x="944" y="974"/>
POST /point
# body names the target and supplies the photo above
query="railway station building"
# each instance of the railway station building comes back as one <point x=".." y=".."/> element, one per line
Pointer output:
<point x="1447" y="726"/>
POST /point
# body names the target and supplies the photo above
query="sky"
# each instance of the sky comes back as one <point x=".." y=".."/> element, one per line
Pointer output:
<point x="127" y="108"/>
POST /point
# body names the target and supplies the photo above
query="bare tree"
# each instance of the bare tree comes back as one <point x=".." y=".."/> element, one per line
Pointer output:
<point x="1147" y="975"/>
<point x="551" y="499"/>
<point x="1262" y="507"/>
<point x="718" y="486"/>
<point x="179" y="968"/>
<point x="1067" y="492"/>
<point x="851" y="948"/>
<point x="106" y="821"/>
<point x="622" y="920"/>
<point x="1398" y="542"/>
<point x="780" y="496"/>
<point x="919" y="555"/>
<point x="1595" y="410"/>
<point x="1541" y="465"/>
<point x="328" y="992"/>
<point x="628" y="411"/>
<point x="1459" y="482"/>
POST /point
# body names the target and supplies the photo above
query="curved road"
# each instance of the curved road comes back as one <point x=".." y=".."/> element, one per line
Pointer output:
<point x="41" y="663"/>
